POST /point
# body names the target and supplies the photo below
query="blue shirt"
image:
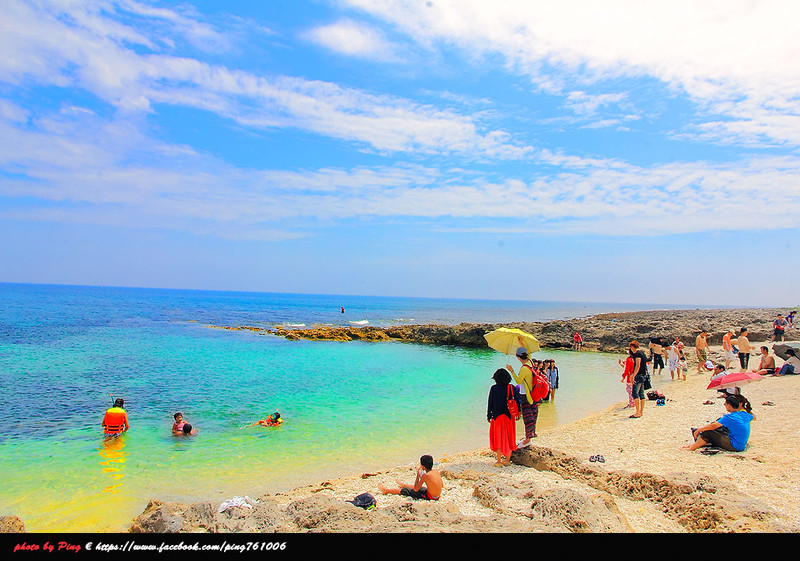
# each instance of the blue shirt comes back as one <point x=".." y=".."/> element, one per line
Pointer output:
<point x="738" y="425"/>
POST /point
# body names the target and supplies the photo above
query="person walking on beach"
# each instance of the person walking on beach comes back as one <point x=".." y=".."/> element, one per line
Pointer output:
<point x="427" y="485"/>
<point x="502" y="429"/>
<point x="115" y="421"/>
<point x="745" y="348"/>
<point x="701" y="348"/>
<point x="638" y="378"/>
<point x="530" y="406"/>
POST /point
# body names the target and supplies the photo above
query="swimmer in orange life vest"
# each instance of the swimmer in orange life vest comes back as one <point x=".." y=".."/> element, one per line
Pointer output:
<point x="273" y="420"/>
<point x="115" y="420"/>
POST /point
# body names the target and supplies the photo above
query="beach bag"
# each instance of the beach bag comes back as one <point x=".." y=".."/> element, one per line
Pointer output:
<point x="512" y="404"/>
<point x="541" y="387"/>
<point x="365" y="501"/>
<point x="655" y="395"/>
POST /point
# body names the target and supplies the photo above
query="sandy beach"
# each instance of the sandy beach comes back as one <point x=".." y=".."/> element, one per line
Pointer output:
<point x="646" y="483"/>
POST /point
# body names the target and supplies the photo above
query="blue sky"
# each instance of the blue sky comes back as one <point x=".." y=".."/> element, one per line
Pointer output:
<point x="582" y="151"/>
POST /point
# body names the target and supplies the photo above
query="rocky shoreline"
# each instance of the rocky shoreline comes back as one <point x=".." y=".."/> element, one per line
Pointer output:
<point x="602" y="332"/>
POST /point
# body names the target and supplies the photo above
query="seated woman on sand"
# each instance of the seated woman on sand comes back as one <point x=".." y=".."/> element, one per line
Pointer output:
<point x="731" y="431"/>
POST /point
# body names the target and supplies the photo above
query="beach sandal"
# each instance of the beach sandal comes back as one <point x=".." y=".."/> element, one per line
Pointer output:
<point x="601" y="459"/>
<point x="767" y="403"/>
<point x="592" y="458"/>
<point x="708" y="402"/>
<point x="710" y="451"/>
<point x="521" y="444"/>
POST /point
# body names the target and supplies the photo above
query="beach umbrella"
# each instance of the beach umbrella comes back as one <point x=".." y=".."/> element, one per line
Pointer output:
<point x="733" y="379"/>
<point x="781" y="348"/>
<point x="508" y="339"/>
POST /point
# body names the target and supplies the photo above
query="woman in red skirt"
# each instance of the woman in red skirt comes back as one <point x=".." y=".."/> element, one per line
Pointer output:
<point x="502" y="428"/>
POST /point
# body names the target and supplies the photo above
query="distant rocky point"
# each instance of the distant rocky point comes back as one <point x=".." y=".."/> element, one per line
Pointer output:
<point x="610" y="332"/>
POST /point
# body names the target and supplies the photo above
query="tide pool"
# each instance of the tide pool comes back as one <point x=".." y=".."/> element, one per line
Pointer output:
<point x="348" y="407"/>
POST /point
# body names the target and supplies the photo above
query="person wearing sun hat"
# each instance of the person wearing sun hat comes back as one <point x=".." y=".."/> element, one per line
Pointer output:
<point x="530" y="407"/>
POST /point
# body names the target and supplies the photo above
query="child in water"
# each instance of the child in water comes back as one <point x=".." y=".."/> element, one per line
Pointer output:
<point x="187" y="430"/>
<point x="273" y="420"/>
<point x="177" y="426"/>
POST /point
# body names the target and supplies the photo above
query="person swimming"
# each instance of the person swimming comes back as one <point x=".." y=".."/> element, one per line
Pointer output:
<point x="273" y="420"/>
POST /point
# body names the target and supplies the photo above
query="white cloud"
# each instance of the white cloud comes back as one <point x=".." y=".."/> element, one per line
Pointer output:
<point x="89" y="52"/>
<point x="353" y="38"/>
<point x="735" y="59"/>
<point x="75" y="166"/>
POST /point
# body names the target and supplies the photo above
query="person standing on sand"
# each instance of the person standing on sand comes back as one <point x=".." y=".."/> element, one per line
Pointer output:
<point x="637" y="378"/>
<point x="502" y="429"/>
<point x="627" y="370"/>
<point x="530" y="407"/>
<point x="745" y="348"/>
<point x="552" y="377"/>
<point x="727" y="347"/>
<point x="657" y="354"/>
<point x="672" y="361"/>
<point x="778" y="328"/>
<point x="427" y="485"/>
<point x="701" y="348"/>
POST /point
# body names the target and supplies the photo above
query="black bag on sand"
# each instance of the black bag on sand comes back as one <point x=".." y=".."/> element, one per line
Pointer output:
<point x="365" y="501"/>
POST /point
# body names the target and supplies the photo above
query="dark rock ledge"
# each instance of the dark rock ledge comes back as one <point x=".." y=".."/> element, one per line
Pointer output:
<point x="602" y="332"/>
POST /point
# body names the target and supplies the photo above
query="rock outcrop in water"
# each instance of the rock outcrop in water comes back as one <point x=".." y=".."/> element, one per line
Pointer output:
<point x="603" y="332"/>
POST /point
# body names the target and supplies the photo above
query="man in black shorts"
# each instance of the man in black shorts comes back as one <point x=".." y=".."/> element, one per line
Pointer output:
<point x="427" y="485"/>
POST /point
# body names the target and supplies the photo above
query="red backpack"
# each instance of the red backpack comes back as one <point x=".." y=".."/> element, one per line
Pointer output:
<point x="541" y="387"/>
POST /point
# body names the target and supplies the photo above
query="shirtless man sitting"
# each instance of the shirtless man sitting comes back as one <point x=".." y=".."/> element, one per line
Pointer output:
<point x="427" y="485"/>
<point x="767" y="364"/>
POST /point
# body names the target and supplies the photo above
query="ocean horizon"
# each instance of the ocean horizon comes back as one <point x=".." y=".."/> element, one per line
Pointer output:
<point x="67" y="351"/>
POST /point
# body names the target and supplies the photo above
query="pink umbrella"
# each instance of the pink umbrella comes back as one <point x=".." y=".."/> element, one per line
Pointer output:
<point x="733" y="379"/>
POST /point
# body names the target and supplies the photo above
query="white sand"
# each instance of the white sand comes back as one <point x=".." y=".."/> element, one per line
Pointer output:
<point x="767" y="471"/>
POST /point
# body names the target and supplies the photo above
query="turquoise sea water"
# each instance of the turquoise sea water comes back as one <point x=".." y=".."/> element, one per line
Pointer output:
<point x="65" y="352"/>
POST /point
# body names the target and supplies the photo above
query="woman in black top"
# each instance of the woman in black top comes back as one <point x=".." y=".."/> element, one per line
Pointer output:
<point x="502" y="428"/>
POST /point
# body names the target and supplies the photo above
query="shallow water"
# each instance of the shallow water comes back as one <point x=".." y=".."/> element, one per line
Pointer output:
<point x="348" y="407"/>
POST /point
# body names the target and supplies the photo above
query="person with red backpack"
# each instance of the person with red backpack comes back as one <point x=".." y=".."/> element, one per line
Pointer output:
<point x="529" y="393"/>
